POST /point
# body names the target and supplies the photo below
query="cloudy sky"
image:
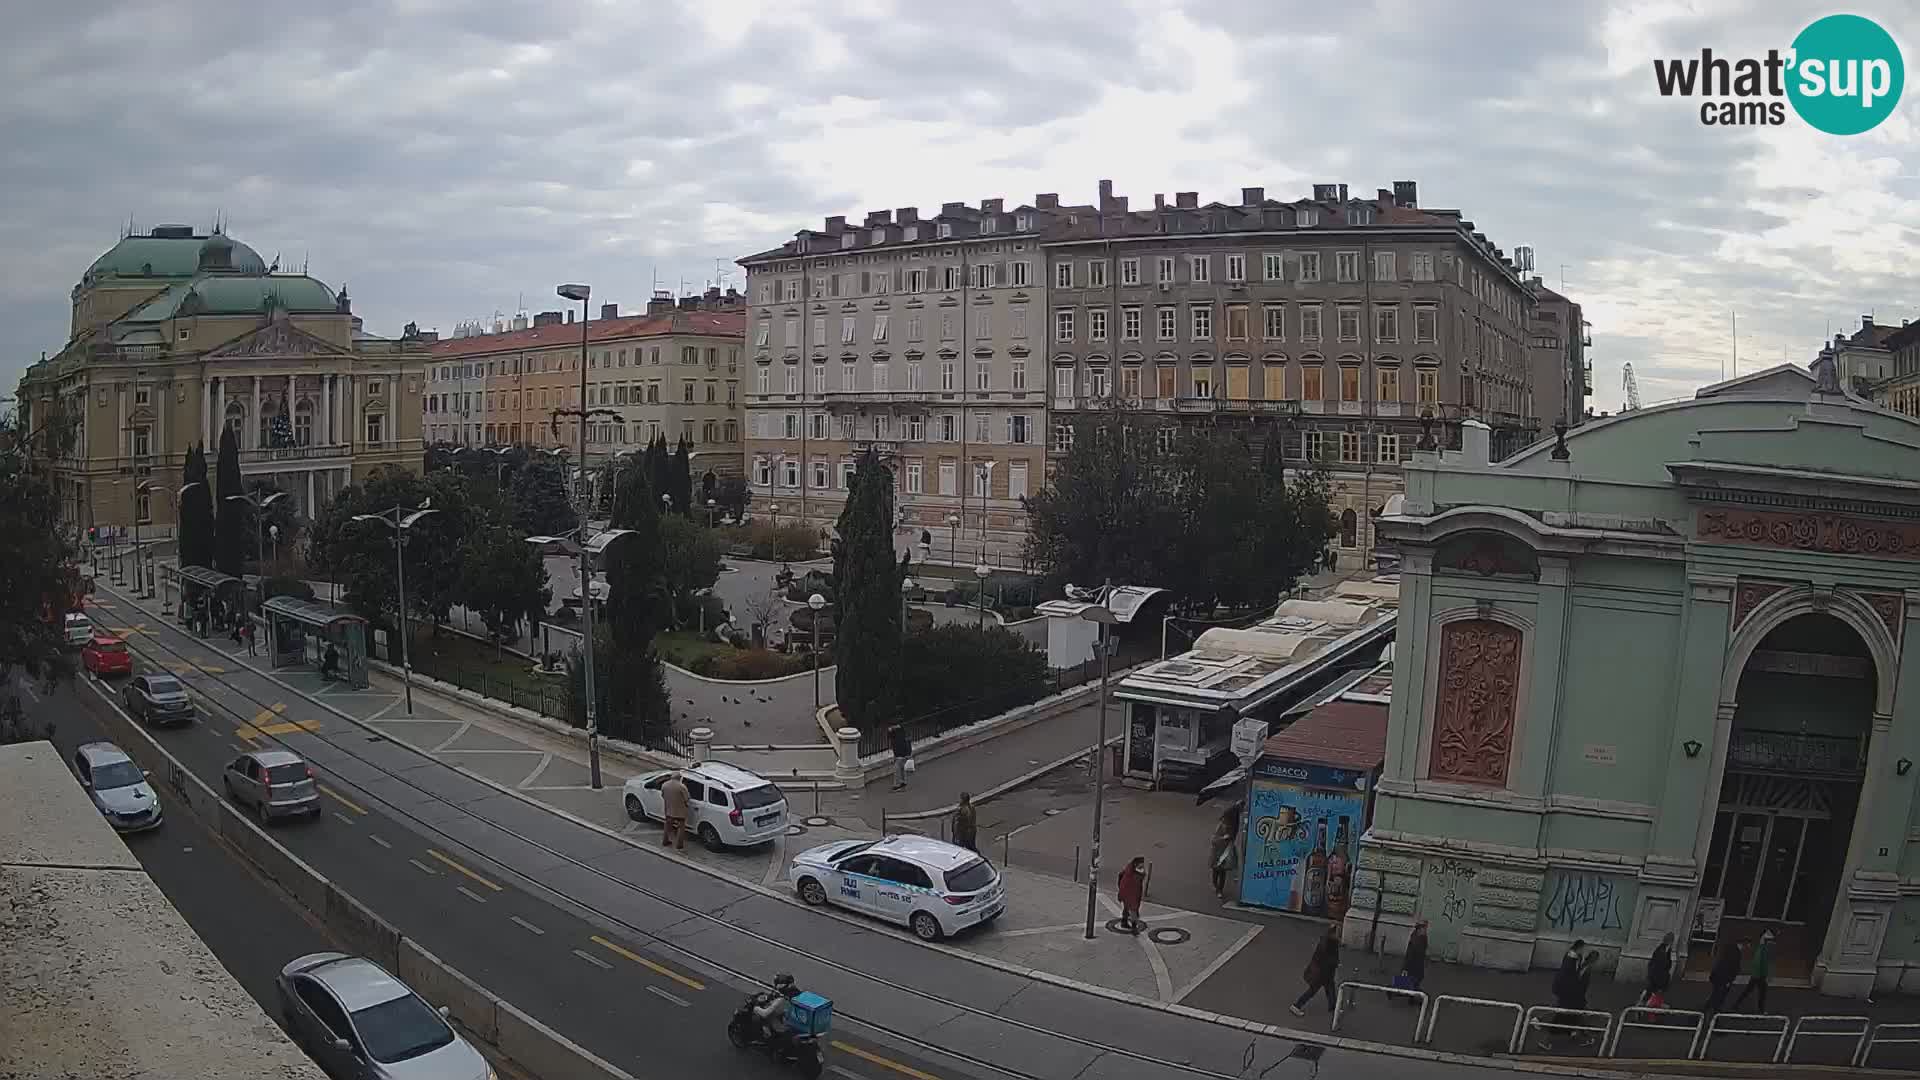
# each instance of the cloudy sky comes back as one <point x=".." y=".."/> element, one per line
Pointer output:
<point x="447" y="160"/>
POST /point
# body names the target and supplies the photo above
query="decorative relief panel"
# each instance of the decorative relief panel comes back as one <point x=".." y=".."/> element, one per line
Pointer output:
<point x="1836" y="533"/>
<point x="1476" y="701"/>
<point x="1500" y="918"/>
<point x="1751" y="594"/>
<point x="1890" y="608"/>
<point x="1526" y="881"/>
<point x="1488" y="555"/>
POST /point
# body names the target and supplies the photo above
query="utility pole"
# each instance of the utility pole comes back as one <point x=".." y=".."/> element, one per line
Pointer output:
<point x="582" y="415"/>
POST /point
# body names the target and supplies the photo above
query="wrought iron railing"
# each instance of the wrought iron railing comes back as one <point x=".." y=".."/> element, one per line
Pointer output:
<point x="1795" y="752"/>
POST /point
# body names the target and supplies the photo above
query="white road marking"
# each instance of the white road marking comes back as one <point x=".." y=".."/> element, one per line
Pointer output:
<point x="841" y="1070"/>
<point x="470" y="894"/>
<point x="449" y="740"/>
<point x="545" y="760"/>
<point x="657" y="992"/>
<point x="424" y="868"/>
<point x="379" y="841"/>
<point x="237" y="747"/>
<point x="527" y="926"/>
<point x="594" y="960"/>
<point x="343" y="817"/>
<point x="394" y="705"/>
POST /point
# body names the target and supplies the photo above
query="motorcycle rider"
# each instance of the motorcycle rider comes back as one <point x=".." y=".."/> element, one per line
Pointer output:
<point x="771" y="1013"/>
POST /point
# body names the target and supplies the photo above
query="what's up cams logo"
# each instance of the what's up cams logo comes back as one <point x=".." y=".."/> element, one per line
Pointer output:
<point x="1843" y="75"/>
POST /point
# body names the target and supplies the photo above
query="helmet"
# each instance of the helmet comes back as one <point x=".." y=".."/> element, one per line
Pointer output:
<point x="783" y="984"/>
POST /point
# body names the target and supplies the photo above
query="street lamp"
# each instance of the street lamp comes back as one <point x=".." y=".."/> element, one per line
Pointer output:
<point x="817" y="603"/>
<point x="400" y="525"/>
<point x="981" y="572"/>
<point x="775" y="511"/>
<point x="906" y="585"/>
<point x="953" y="530"/>
<point x="259" y="503"/>
<point x="712" y="505"/>
<point x="666" y="503"/>
<point x="142" y="488"/>
<point x="273" y="533"/>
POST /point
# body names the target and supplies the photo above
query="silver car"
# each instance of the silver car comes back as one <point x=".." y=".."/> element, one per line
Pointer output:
<point x="360" y="1023"/>
<point x="118" y="787"/>
<point x="157" y="699"/>
<point x="274" y="783"/>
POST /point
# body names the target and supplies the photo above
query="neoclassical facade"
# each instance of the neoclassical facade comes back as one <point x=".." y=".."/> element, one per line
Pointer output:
<point x="1656" y="679"/>
<point x="176" y="335"/>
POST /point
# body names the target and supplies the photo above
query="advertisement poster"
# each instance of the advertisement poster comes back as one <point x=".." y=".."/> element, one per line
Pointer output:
<point x="1302" y="834"/>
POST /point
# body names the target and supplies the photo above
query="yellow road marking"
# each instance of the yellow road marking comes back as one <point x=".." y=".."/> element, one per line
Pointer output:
<point x="289" y="727"/>
<point x="870" y="1056"/>
<point x="463" y="870"/>
<point x="267" y="714"/>
<point x="343" y="800"/>
<point x="263" y="724"/>
<point x="648" y="964"/>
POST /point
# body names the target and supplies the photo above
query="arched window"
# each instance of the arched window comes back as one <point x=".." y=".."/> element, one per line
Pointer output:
<point x="236" y="418"/>
<point x="1349" y="528"/>
<point x="267" y="411"/>
<point x="303" y="422"/>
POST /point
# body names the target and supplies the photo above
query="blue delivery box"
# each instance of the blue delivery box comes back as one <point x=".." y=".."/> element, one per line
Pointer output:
<point x="809" y="1014"/>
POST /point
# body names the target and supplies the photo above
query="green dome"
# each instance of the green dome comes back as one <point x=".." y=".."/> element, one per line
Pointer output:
<point x="222" y="294"/>
<point x="173" y="251"/>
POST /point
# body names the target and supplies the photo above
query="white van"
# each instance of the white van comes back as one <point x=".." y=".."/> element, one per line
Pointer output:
<point x="79" y="630"/>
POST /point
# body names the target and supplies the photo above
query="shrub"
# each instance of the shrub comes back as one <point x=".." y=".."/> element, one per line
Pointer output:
<point x="749" y="664"/>
<point x="813" y="581"/>
<point x="950" y="666"/>
<point x="791" y="542"/>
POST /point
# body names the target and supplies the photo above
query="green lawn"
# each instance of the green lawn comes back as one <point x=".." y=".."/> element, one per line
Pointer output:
<point x="463" y="661"/>
<point x="683" y="647"/>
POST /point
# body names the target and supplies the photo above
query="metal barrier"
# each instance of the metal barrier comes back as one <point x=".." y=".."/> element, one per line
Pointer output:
<point x="1859" y="1037"/>
<point x="1533" y="1020"/>
<point x="1433" y="1017"/>
<point x="1627" y="1020"/>
<point x="1715" y="1027"/>
<point x="1911" y="1031"/>
<point x="1345" y="994"/>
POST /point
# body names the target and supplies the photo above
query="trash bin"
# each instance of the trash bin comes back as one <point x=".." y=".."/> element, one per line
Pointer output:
<point x="1118" y="754"/>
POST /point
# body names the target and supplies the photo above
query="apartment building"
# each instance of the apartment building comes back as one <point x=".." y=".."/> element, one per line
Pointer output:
<point x="921" y="339"/>
<point x="1336" y="323"/>
<point x="1899" y="388"/>
<point x="1557" y="340"/>
<point x="675" y="371"/>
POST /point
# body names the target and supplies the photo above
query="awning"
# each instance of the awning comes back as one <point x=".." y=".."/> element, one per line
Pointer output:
<point x="208" y="576"/>
<point x="310" y="612"/>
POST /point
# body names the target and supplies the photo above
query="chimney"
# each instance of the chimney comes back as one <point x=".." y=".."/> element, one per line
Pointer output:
<point x="1047" y="201"/>
<point x="1326" y="192"/>
<point x="609" y="311"/>
<point x="661" y="304"/>
<point x="1382" y="195"/>
<point x="908" y="215"/>
<point x="1187" y="200"/>
<point x="1252" y="196"/>
<point x="879" y="217"/>
<point x="569" y="316"/>
<point x="1159" y="200"/>
<point x="1119" y="204"/>
<point x="1343" y="193"/>
<point x="948" y="209"/>
<point x="1866" y="322"/>
<point x="1406" y="193"/>
<point x="689" y="303"/>
<point x="836" y="224"/>
<point x="1476" y="443"/>
<point x="546" y="318"/>
<point x="991" y="206"/>
<point x="1106" y="193"/>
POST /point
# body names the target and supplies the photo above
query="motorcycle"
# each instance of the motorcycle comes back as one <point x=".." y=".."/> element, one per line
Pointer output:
<point x="787" y="1047"/>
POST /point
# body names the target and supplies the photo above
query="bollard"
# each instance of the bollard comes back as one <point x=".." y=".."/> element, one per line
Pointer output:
<point x="816" y="798"/>
<point x="847" y="767"/>
<point x="1076" y="864"/>
<point x="1006" y="856"/>
<point x="702" y="739"/>
<point x="883" y="821"/>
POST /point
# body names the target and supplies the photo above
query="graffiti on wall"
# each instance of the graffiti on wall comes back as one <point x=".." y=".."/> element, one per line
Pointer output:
<point x="1454" y="894"/>
<point x="1597" y="907"/>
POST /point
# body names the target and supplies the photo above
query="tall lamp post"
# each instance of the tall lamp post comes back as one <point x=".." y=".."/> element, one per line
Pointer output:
<point x="906" y="585"/>
<point x="400" y="521"/>
<point x="953" y="544"/>
<point x="142" y="488"/>
<point x="712" y="504"/>
<point x="259" y="503"/>
<point x="818" y="604"/>
<point x="981" y="572"/>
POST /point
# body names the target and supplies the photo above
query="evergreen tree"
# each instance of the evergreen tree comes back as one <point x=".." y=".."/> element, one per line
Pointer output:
<point x="635" y="698"/>
<point x="196" y="510"/>
<point x="680" y="482"/>
<point x="38" y="583"/>
<point x="280" y="432"/>
<point x="867" y="613"/>
<point x="230" y="519"/>
<point x="503" y="579"/>
<point x="659" y="463"/>
<point x="539" y="499"/>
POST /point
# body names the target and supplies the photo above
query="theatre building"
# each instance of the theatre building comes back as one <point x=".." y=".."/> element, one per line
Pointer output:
<point x="1656" y="678"/>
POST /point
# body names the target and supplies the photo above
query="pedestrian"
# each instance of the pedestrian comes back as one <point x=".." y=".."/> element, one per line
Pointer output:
<point x="1758" y="970"/>
<point x="1221" y="854"/>
<point x="1726" y="968"/>
<point x="1569" y="989"/>
<point x="673" y="796"/>
<point x="1323" y="971"/>
<point x="902" y="755"/>
<point x="246" y="635"/>
<point x="1413" y="966"/>
<point x="1659" y="974"/>
<point x="1133" y="888"/>
<point x="965" y="823"/>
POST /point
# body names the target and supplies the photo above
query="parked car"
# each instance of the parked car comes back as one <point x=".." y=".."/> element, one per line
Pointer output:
<point x="274" y="783"/>
<point x="117" y="786"/>
<point x="360" y="1023"/>
<point x="157" y="699"/>
<point x="727" y="806"/>
<point x="106" y="655"/>
<point x="929" y="886"/>
<point x="79" y="630"/>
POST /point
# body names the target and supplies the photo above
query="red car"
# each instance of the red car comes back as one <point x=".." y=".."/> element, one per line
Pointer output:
<point x="107" y="655"/>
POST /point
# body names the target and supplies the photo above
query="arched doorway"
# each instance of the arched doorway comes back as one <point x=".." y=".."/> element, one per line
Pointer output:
<point x="1795" y="761"/>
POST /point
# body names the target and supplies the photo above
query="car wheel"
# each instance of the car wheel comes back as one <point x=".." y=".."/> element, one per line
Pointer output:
<point x="812" y="892"/>
<point x="710" y="836"/>
<point x="925" y="926"/>
<point x="634" y="810"/>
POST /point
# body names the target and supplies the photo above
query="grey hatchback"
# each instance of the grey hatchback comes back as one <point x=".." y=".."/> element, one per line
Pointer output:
<point x="157" y="699"/>
<point x="361" y="1023"/>
<point x="275" y="783"/>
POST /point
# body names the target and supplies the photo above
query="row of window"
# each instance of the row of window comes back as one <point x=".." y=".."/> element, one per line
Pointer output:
<point x="978" y="327"/>
<point x="612" y="433"/>
<point x="1308" y="324"/>
<point x="1346" y="447"/>
<point x="1240" y="384"/>
<point x="1014" y="428"/>
<point x="910" y="478"/>
<point x="691" y="392"/>
<point x="880" y="379"/>
<point x="690" y="356"/>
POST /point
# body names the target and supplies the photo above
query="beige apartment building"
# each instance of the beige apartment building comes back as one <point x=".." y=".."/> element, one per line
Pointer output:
<point x="1898" y="387"/>
<point x="176" y="335"/>
<point x="921" y="339"/>
<point x="1346" y="326"/>
<point x="674" y="372"/>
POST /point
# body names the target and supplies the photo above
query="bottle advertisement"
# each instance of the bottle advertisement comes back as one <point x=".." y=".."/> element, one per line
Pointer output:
<point x="1302" y="823"/>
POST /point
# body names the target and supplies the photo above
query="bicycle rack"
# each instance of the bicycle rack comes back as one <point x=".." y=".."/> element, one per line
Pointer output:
<point x="1345" y="994"/>
<point x="1433" y="1017"/>
<point x="1859" y="1037"/>
<point x="1533" y="1020"/>
<point x="1715" y="1027"/>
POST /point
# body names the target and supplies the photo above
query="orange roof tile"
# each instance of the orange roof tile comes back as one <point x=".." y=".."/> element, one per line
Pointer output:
<point x="723" y="323"/>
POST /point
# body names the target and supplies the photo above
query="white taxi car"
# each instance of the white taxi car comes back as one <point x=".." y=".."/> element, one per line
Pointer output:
<point x="929" y="886"/>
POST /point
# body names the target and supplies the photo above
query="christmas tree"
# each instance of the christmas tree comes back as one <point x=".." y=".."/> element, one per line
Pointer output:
<point x="281" y="433"/>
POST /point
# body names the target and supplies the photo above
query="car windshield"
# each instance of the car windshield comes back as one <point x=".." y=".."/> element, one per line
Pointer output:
<point x="971" y="877"/>
<point x="116" y="774"/>
<point x="113" y="647"/>
<point x="754" y="798"/>
<point x="288" y="773"/>
<point x="163" y="686"/>
<point x="401" y="1029"/>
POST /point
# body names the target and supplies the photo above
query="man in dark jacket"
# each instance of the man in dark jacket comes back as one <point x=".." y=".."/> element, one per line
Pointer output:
<point x="1413" y="966"/>
<point x="1726" y="968"/>
<point x="966" y="822"/>
<point x="1659" y="974"/>
<point x="1322" y="973"/>
<point x="902" y="753"/>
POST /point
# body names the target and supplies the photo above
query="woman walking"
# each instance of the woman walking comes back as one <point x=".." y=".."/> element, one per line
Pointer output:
<point x="1133" y="887"/>
<point x="1659" y="975"/>
<point x="1221" y="854"/>
<point x="1322" y="973"/>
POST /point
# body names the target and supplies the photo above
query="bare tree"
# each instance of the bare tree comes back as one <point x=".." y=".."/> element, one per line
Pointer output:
<point x="761" y="607"/>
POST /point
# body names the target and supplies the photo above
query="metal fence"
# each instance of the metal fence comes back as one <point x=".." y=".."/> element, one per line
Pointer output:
<point x="941" y="721"/>
<point x="553" y="701"/>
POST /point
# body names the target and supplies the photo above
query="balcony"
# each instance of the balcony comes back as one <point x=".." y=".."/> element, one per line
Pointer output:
<point x="1838" y="756"/>
<point x="1197" y="404"/>
<point x="876" y="397"/>
<point x="269" y="455"/>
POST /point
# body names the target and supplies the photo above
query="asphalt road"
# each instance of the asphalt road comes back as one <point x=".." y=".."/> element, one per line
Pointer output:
<point x="604" y="940"/>
<point x="588" y="979"/>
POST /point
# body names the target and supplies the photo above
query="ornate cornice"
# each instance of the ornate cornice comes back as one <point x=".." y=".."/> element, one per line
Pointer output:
<point x="1826" y="533"/>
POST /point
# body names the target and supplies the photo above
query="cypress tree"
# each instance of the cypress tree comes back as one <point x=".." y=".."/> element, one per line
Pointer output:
<point x="196" y="511"/>
<point x="681" y="477"/>
<point x="230" y="519"/>
<point x="867" y="613"/>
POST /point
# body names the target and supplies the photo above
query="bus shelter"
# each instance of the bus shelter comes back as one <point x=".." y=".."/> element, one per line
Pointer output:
<point x="299" y="631"/>
<point x="207" y="596"/>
